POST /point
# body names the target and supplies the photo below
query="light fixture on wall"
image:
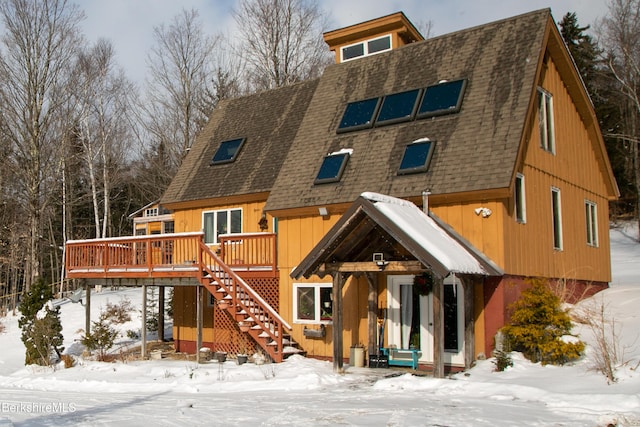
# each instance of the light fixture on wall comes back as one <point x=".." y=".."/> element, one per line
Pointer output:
<point x="323" y="211"/>
<point x="378" y="258"/>
<point x="484" y="212"/>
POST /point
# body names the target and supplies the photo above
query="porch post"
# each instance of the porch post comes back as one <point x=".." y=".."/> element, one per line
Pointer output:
<point x="87" y="309"/>
<point x="198" y="322"/>
<point x="338" y="359"/>
<point x="469" y="323"/>
<point x="438" y="328"/>
<point x="372" y="317"/>
<point x="161" y="313"/>
<point x="143" y="337"/>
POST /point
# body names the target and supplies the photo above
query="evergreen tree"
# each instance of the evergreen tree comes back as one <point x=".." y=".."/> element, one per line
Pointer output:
<point x="582" y="47"/>
<point x="40" y="324"/>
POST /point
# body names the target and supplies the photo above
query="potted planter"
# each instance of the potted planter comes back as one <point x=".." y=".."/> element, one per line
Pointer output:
<point x="242" y="359"/>
<point x="223" y="304"/>
<point x="221" y="356"/>
<point x="244" y="326"/>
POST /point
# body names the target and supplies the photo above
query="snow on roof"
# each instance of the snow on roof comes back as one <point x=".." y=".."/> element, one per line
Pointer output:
<point x="427" y="233"/>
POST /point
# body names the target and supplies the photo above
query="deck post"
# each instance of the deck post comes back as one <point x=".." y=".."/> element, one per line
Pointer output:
<point x="87" y="309"/>
<point x="161" y="313"/>
<point x="143" y="337"/>
<point x="438" y="328"/>
<point x="198" y="322"/>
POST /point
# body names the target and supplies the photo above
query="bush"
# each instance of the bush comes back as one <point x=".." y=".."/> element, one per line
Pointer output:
<point x="538" y="325"/>
<point x="118" y="313"/>
<point x="101" y="338"/>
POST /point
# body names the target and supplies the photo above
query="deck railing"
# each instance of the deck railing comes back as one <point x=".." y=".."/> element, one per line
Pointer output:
<point x="250" y="252"/>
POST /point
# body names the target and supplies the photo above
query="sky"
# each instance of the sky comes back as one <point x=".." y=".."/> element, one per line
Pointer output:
<point x="306" y="392"/>
<point x="129" y="24"/>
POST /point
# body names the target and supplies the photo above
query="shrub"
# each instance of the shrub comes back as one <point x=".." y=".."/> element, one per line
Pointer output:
<point x="101" y="338"/>
<point x="118" y="313"/>
<point x="538" y="324"/>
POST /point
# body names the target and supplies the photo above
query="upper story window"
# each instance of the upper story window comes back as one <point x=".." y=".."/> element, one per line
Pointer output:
<point x="443" y="98"/>
<point x="228" y="151"/>
<point x="359" y="115"/>
<point x="545" y="121"/>
<point x="151" y="212"/>
<point x="225" y="221"/>
<point x="312" y="303"/>
<point x="366" y="48"/>
<point x="556" y="218"/>
<point x="520" y="200"/>
<point x="591" y="216"/>
<point x="333" y="166"/>
<point x="416" y="156"/>
<point x="398" y="107"/>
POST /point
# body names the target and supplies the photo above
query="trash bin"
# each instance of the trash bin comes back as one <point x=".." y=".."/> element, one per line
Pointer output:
<point x="356" y="357"/>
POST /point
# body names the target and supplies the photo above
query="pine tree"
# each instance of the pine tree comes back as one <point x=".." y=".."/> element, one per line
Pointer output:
<point x="538" y="325"/>
<point x="40" y="324"/>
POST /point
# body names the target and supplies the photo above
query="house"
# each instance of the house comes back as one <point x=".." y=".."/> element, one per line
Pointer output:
<point x="324" y="199"/>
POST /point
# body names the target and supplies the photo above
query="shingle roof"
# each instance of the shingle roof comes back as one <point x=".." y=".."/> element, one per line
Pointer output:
<point x="268" y="121"/>
<point x="476" y="149"/>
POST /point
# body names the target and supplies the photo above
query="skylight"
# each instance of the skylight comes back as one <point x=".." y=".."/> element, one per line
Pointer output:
<point x="398" y="107"/>
<point x="227" y="152"/>
<point x="443" y="98"/>
<point x="416" y="156"/>
<point x="359" y="115"/>
<point x="333" y="166"/>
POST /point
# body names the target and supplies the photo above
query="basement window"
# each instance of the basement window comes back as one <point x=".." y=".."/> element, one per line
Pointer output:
<point x="359" y="115"/>
<point x="443" y="98"/>
<point x="416" y="157"/>
<point x="333" y="166"/>
<point x="228" y="151"/>
<point x="398" y="107"/>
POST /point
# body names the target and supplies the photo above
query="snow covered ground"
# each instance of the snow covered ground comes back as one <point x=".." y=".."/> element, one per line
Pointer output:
<point x="302" y="392"/>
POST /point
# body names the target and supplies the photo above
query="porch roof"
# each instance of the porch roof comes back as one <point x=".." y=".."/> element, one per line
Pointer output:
<point x="398" y="229"/>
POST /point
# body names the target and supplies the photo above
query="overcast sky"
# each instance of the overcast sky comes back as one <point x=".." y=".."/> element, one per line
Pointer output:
<point x="129" y="23"/>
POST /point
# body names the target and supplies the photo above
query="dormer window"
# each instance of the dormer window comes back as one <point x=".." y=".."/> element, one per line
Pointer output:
<point x="443" y="98"/>
<point x="333" y="166"/>
<point x="416" y="157"/>
<point x="366" y="48"/>
<point x="359" y="115"/>
<point x="228" y="151"/>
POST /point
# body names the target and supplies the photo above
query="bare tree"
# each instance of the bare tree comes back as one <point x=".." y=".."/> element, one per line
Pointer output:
<point x="101" y="99"/>
<point x="180" y="65"/>
<point x="40" y="40"/>
<point x="620" y="38"/>
<point x="281" y="41"/>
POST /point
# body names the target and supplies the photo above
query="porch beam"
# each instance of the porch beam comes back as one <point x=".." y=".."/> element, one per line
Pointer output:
<point x="372" y="267"/>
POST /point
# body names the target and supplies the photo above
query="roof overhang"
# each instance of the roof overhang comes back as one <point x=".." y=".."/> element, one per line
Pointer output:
<point x="407" y="238"/>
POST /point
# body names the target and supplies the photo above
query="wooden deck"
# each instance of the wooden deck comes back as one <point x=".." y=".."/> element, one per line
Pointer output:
<point x="177" y="255"/>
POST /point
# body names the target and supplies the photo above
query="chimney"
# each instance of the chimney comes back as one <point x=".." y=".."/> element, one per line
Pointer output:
<point x="425" y="201"/>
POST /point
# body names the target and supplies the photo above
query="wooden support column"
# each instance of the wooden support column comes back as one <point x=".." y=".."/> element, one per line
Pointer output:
<point x="198" y="322"/>
<point x="87" y="309"/>
<point x="143" y="337"/>
<point x="469" y="323"/>
<point x="161" y="313"/>
<point x="338" y="345"/>
<point x="372" y="316"/>
<point x="438" y="328"/>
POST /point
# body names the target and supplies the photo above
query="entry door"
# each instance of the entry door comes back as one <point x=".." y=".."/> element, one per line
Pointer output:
<point x="410" y="318"/>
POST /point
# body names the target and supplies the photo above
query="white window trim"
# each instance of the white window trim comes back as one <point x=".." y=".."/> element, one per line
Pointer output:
<point x="523" y="202"/>
<point x="317" y="307"/>
<point x="215" y="223"/>
<point x="365" y="48"/>
<point x="559" y="246"/>
<point x="546" y="125"/>
<point x="591" y="217"/>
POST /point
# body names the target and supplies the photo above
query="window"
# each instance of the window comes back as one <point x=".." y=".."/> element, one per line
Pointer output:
<point x="556" y="218"/>
<point x="312" y="303"/>
<point x="168" y="227"/>
<point x="332" y="167"/>
<point x="359" y="115"/>
<point x="545" y="121"/>
<point x="215" y="223"/>
<point x="591" y="212"/>
<point x="416" y="156"/>
<point x="151" y="212"/>
<point x="228" y="151"/>
<point x="443" y="98"/>
<point x="398" y="107"/>
<point x="520" y="201"/>
<point x="366" y="48"/>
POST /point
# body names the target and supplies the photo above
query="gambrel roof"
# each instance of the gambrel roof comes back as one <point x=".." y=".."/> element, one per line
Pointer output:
<point x="289" y="130"/>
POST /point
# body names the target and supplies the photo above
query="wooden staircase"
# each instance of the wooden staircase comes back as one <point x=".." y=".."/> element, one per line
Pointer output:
<point x="254" y="315"/>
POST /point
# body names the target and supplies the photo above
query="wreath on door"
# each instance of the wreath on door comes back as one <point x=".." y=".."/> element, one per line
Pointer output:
<point x="422" y="284"/>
